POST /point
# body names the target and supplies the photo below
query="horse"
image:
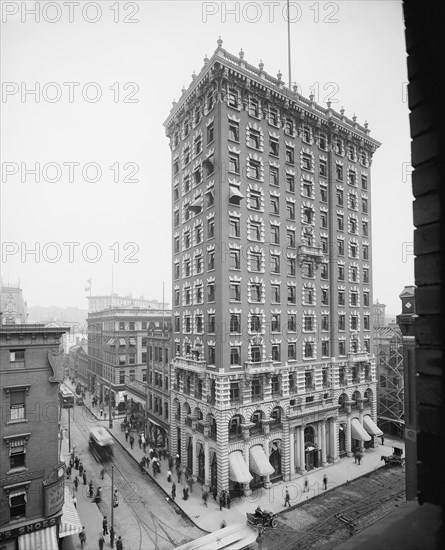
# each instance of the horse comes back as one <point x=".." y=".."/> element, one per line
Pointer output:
<point x="387" y="460"/>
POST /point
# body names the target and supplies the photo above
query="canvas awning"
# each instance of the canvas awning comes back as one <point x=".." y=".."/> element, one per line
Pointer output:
<point x="71" y="524"/>
<point x="358" y="431"/>
<point x="238" y="470"/>
<point x="196" y="205"/>
<point x="45" y="539"/>
<point x="370" y="426"/>
<point x="259" y="463"/>
<point x="235" y="194"/>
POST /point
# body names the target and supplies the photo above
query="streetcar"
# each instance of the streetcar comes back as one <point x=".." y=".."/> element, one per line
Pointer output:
<point x="101" y="444"/>
<point x="66" y="397"/>
<point x="237" y="536"/>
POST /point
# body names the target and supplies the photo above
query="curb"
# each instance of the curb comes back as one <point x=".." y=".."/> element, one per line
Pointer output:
<point x="170" y="500"/>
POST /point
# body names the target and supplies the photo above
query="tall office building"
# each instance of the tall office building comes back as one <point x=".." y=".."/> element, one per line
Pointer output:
<point x="272" y="373"/>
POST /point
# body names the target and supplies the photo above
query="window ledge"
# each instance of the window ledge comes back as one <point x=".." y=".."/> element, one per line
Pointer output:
<point x="20" y="421"/>
<point x="14" y="471"/>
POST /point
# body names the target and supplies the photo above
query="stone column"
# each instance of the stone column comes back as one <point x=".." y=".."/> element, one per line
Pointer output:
<point x="334" y="440"/>
<point x="194" y="458"/>
<point x="323" y="443"/>
<point x="291" y="452"/>
<point x="206" y="459"/>
<point x="348" y="430"/>
<point x="360" y="417"/>
<point x="266" y="428"/>
<point x="246" y="437"/>
<point x="302" y="450"/>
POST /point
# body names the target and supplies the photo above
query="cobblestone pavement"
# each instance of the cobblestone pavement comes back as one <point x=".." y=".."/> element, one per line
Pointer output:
<point x="314" y="525"/>
<point x="144" y="517"/>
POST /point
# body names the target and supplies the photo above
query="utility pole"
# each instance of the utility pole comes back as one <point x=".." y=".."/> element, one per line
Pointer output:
<point x="112" y="507"/>
<point x="288" y="46"/>
<point x="69" y="429"/>
<point x="110" y="420"/>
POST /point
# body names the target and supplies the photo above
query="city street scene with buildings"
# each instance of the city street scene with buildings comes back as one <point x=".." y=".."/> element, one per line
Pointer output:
<point x="280" y="387"/>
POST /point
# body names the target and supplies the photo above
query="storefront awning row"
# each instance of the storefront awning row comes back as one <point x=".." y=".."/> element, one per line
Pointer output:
<point x="238" y="470"/>
<point x="358" y="431"/>
<point x="370" y="426"/>
<point x="70" y="524"/>
<point x="259" y="463"/>
<point x="45" y="539"/>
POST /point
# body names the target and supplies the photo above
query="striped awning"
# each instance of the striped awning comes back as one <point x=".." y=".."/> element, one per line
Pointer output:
<point x="358" y="431"/>
<point x="71" y="524"/>
<point x="259" y="463"/>
<point x="45" y="539"/>
<point x="238" y="470"/>
<point x="370" y="426"/>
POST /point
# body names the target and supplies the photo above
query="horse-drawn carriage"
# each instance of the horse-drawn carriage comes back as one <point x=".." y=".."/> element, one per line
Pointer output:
<point x="263" y="518"/>
<point x="395" y="459"/>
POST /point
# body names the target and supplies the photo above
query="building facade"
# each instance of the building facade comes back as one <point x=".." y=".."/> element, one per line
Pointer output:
<point x="99" y="303"/>
<point x="31" y="473"/>
<point x="117" y="349"/>
<point x="12" y="305"/>
<point x="272" y="373"/>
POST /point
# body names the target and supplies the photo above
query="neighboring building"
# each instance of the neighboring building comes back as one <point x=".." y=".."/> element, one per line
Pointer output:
<point x="78" y="361"/>
<point x="32" y="476"/>
<point x="12" y="305"/>
<point x="388" y="350"/>
<point x="378" y="314"/>
<point x="406" y="322"/>
<point x="273" y="373"/>
<point x="99" y="303"/>
<point x="117" y="349"/>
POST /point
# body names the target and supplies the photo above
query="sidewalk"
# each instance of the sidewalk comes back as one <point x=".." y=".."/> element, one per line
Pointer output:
<point x="89" y="514"/>
<point x="210" y="518"/>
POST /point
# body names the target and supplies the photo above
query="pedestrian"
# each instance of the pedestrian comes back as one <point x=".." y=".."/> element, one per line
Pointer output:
<point x="84" y="477"/>
<point x="80" y="469"/>
<point x="131" y="441"/>
<point x="105" y="526"/>
<point x="184" y="493"/>
<point x="82" y="537"/>
<point x="155" y="469"/>
<point x="170" y="463"/>
<point x="102" y="473"/>
<point x="91" y="488"/>
<point x="190" y="483"/>
<point x="306" y="486"/>
<point x="76" y="462"/>
<point x="76" y="483"/>
<point x="101" y="412"/>
<point x="173" y="490"/>
<point x="151" y="454"/>
<point x="98" y="497"/>
<point x="214" y="493"/>
<point x="325" y="482"/>
<point x="126" y="434"/>
<point x="382" y="437"/>
<point x="142" y="464"/>
<point x="140" y="441"/>
<point x="144" y="446"/>
<point x="105" y="415"/>
<point x="119" y="544"/>
<point x="228" y="499"/>
<point x="205" y="498"/>
<point x="68" y="472"/>
<point x="178" y="461"/>
<point x="359" y="458"/>
<point x="115" y="499"/>
<point x="287" y="498"/>
<point x="179" y="475"/>
<point x="169" y="476"/>
<point x="75" y="501"/>
<point x="101" y="542"/>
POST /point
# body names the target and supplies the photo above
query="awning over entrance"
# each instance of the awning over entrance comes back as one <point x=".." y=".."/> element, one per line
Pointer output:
<point x="238" y="470"/>
<point x="259" y="463"/>
<point x="358" y="432"/>
<point x="70" y="518"/>
<point x="370" y="426"/>
<point x="46" y="539"/>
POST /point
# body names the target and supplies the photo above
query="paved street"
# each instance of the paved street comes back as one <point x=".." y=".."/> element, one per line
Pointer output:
<point x="144" y="517"/>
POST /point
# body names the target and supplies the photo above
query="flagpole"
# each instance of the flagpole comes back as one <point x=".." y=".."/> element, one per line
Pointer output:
<point x="288" y="45"/>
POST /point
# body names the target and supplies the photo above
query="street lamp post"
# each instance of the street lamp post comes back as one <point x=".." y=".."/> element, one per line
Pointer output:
<point x="112" y="507"/>
<point x="69" y="429"/>
<point x="110" y="419"/>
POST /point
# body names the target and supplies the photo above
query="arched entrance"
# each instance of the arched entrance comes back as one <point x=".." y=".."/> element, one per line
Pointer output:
<point x="275" y="459"/>
<point x="311" y="451"/>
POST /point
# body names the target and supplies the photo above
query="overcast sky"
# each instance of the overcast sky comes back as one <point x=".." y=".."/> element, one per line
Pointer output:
<point x="127" y="62"/>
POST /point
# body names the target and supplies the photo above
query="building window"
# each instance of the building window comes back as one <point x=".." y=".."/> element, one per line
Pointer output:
<point x="290" y="155"/>
<point x="365" y="228"/>
<point x="256" y="292"/>
<point x="290" y="183"/>
<point x="274" y="147"/>
<point x="17" y="504"/>
<point x="324" y="220"/>
<point x="290" y="210"/>
<point x="341" y="322"/>
<point x="366" y="323"/>
<point x="365" y="275"/>
<point x="211" y="323"/>
<point x="364" y="182"/>
<point x="275" y="294"/>
<point x="274" y="205"/>
<point x="324" y="297"/>
<point x="254" y="108"/>
<point x="255" y="323"/>
<point x="17" y="358"/>
<point x="234" y="131"/>
<point x="339" y="172"/>
<point x="211" y="260"/>
<point x="291" y="354"/>
<point x="308" y="351"/>
<point x="234" y="163"/>
<point x="276" y="356"/>
<point x="341" y="247"/>
<point x="340" y="222"/>
<point x="275" y="325"/>
<point x="254" y="169"/>
<point x="255" y="261"/>
<point x="122" y="377"/>
<point x="275" y="263"/>
<point x="255" y="200"/>
<point x="232" y="98"/>
<point x="308" y="323"/>
<point x="291" y="294"/>
<point x="17" y="411"/>
<point x="342" y="351"/>
<point x="273" y="117"/>
<point x="235" y="357"/>
<point x="274" y="176"/>
<point x="323" y="168"/>
<point x="211" y="355"/>
<point x="354" y="298"/>
<point x="234" y="227"/>
<point x="323" y="194"/>
<point x="308" y="270"/>
<point x="255" y="230"/>
<point x="306" y="161"/>
<point x="291" y="267"/>
<point x="254" y="139"/>
<point x="275" y="234"/>
<point x="235" y="292"/>
<point x="235" y="323"/>
<point x="306" y="134"/>
<point x="255" y="357"/>
<point x="291" y="238"/>
<point x="210" y="133"/>
<point x="325" y="323"/>
<point x="211" y="292"/>
<point x="292" y="322"/>
<point x="366" y="299"/>
<point x="341" y="297"/>
<point x="235" y="259"/>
